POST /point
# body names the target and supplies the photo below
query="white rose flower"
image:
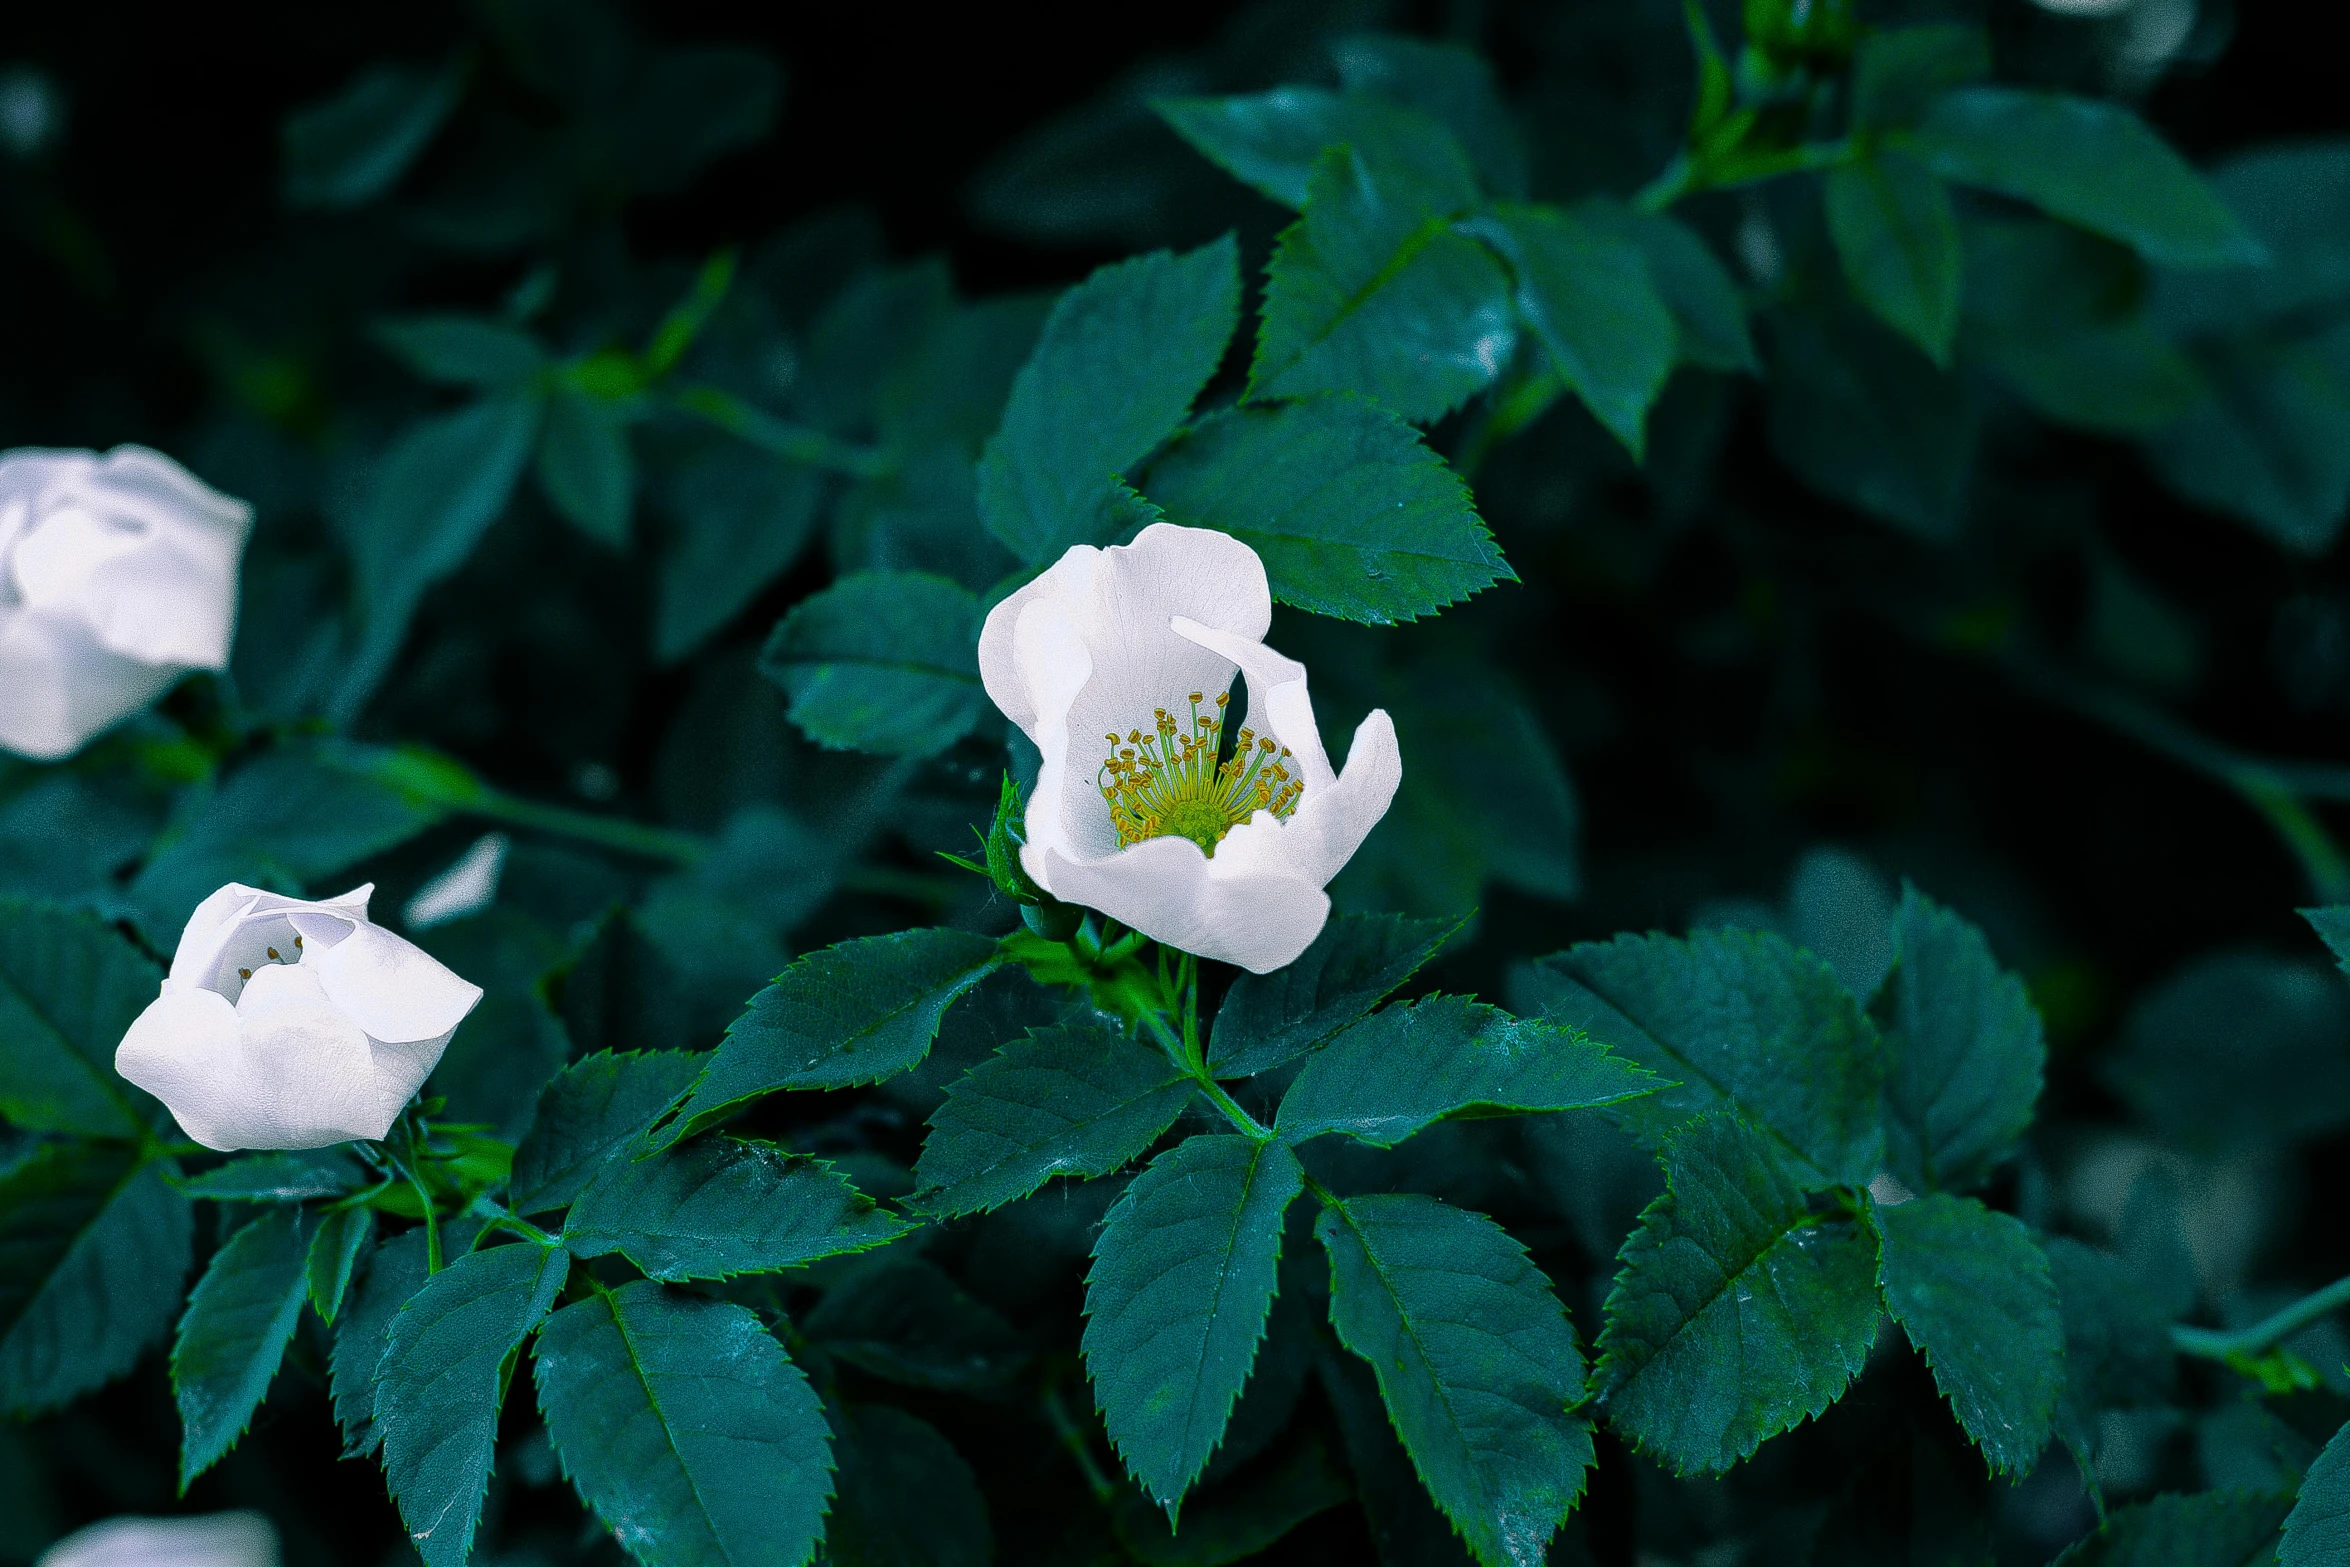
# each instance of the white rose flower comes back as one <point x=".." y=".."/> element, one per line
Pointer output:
<point x="118" y="575"/>
<point x="288" y="1024"/>
<point x="242" y="1539"/>
<point x="1118" y="663"/>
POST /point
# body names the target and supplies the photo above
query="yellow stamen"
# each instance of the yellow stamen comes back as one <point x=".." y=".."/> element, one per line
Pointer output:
<point x="1170" y="784"/>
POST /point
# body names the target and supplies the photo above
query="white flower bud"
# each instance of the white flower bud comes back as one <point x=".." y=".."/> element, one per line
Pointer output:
<point x="118" y="575"/>
<point x="289" y="1024"/>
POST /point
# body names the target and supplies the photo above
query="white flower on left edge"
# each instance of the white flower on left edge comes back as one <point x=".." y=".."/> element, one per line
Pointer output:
<point x="118" y="575"/>
<point x="1117" y="663"/>
<point x="287" y="1024"/>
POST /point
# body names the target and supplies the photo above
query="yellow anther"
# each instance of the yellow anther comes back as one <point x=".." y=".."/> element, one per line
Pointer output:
<point x="1171" y="785"/>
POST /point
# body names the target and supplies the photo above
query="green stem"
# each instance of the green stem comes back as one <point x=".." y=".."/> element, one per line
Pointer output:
<point x="1184" y="1052"/>
<point x="610" y="832"/>
<point x="1684" y="176"/>
<point x="2266" y="1334"/>
<point x="1073" y="1438"/>
<point x="498" y="1217"/>
<point x="794" y="443"/>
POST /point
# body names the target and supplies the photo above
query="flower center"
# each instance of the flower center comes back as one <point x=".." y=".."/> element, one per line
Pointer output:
<point x="1167" y="784"/>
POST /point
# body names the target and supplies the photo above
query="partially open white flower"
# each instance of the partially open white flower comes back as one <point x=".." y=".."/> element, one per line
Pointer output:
<point x="288" y="1024"/>
<point x="1118" y="663"/>
<point x="118" y="575"/>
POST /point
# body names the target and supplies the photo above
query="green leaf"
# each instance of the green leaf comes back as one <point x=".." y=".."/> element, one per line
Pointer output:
<point x="342" y="1238"/>
<point x="1737" y="1314"/>
<point x="394" y="1272"/>
<point x="1897" y="239"/>
<point x="1411" y="1065"/>
<point x="69" y="990"/>
<point x="1973" y="1292"/>
<point x="2117" y="1348"/>
<point x="1353" y="514"/>
<point x="1475" y="1360"/>
<point x="1079" y="1098"/>
<point x="1708" y="306"/>
<point x="239" y="1320"/>
<point x="686" y="1427"/>
<point x="852" y="1014"/>
<point x="740" y="517"/>
<point x="349" y="149"/>
<point x="2088" y="162"/>
<point x="1404" y="1523"/>
<point x="1591" y="302"/>
<point x="443" y="1376"/>
<point x="1238" y="1520"/>
<point x="295" y="1176"/>
<point x="1176" y="1301"/>
<point x="908" y="1321"/>
<point x="2269" y="442"/>
<point x="589" y="1111"/>
<point x="2317" y="1531"/>
<point x="1866" y="419"/>
<point x="1963" y="1051"/>
<point x="94" y="1247"/>
<point x="585" y="467"/>
<point x="1122" y="356"/>
<point x="433" y="495"/>
<point x="1898" y="72"/>
<point x="1270" y="141"/>
<point x="2209" y="1529"/>
<point x="1733" y="1018"/>
<point x="462" y="350"/>
<point x="1372" y="292"/>
<point x="2293" y="195"/>
<point x="906" y="1497"/>
<point x="2238" y="1050"/>
<point x="1453" y="86"/>
<point x="285" y="819"/>
<point x="883" y="661"/>
<point x="718" y="1206"/>
<point x="1268" y="1020"/>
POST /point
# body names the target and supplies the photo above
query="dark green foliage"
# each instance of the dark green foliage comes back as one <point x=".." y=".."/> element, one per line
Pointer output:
<point x="1353" y="514"/>
<point x="1270" y="1019"/>
<point x="2117" y="1350"/>
<point x="717" y="1206"/>
<point x="343" y="1237"/>
<point x="856" y="1013"/>
<point x="1973" y="1293"/>
<point x="1396" y="1072"/>
<point x="1475" y="1361"/>
<point x="883" y="662"/>
<point x="1273" y="140"/>
<point x="1176" y="1301"/>
<point x="1079" y="1098"/>
<point x="1899" y="72"/>
<point x="1122" y="356"/>
<point x="595" y="1107"/>
<point x="2318" y="1528"/>
<point x="907" y="1321"/>
<point x="446" y="1359"/>
<point x="1732" y="1018"/>
<point x="2239" y="1048"/>
<point x="2213" y="1529"/>
<point x="906" y="1497"/>
<point x="1963" y="1051"/>
<point x="1865" y="418"/>
<point x="238" y="1321"/>
<point x="685" y="1427"/>
<point x="94" y="1251"/>
<point x="1898" y="241"/>
<point x="279" y="1177"/>
<point x="388" y="1276"/>
<point x="69" y="988"/>
<point x="1236" y="1521"/>
<point x="1738" y="1312"/>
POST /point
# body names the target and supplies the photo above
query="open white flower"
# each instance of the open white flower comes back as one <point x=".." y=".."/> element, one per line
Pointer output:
<point x="118" y="575"/>
<point x="289" y="1024"/>
<point x="1118" y="663"/>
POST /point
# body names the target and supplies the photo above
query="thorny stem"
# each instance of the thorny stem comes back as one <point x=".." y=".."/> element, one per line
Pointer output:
<point x="2266" y="1334"/>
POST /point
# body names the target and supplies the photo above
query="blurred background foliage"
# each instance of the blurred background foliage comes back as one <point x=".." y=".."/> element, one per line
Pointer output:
<point x="650" y="321"/>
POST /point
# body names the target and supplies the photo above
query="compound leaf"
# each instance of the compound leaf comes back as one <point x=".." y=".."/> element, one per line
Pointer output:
<point x="717" y="1206"/>
<point x="1268" y="1020"/>
<point x="239" y="1319"/>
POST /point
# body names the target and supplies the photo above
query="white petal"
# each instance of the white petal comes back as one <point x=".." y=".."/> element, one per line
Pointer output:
<point x="466" y="887"/>
<point x="1055" y="665"/>
<point x="1063" y="583"/>
<point x="162" y="604"/>
<point x="1277" y="701"/>
<point x="399" y="1070"/>
<point x="239" y="1539"/>
<point x="183" y="1049"/>
<point x="1329" y="824"/>
<point x="309" y="1071"/>
<point x="198" y="953"/>
<point x="392" y="988"/>
<point x="59" y="687"/>
<point x="1164" y="887"/>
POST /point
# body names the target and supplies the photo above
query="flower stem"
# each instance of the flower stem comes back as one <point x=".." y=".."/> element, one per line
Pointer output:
<point x="2266" y="1334"/>
<point x="1184" y="1051"/>
<point x="1072" y="1437"/>
<point x="794" y="443"/>
<point x="610" y="832"/>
